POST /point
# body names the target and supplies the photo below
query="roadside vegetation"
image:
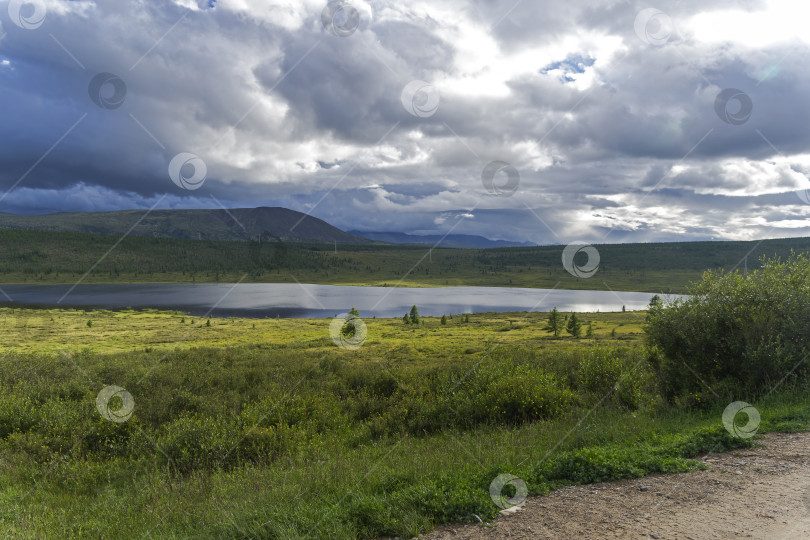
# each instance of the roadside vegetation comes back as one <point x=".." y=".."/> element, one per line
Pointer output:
<point x="734" y="334"/>
<point x="264" y="428"/>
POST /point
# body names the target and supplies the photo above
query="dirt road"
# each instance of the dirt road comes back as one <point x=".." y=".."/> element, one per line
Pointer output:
<point x="759" y="492"/>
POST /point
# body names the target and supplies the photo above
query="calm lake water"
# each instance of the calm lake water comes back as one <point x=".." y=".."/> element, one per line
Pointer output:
<point x="293" y="300"/>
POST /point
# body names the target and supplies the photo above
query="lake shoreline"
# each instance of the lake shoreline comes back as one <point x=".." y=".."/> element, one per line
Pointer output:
<point x="251" y="300"/>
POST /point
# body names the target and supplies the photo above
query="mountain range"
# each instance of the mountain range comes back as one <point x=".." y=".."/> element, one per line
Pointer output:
<point x="232" y="224"/>
<point x="467" y="241"/>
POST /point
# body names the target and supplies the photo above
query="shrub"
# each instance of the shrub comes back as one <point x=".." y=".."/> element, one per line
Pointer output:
<point x="602" y="371"/>
<point x="523" y="394"/>
<point x="17" y="413"/>
<point x="744" y="333"/>
<point x="511" y="389"/>
<point x="197" y="441"/>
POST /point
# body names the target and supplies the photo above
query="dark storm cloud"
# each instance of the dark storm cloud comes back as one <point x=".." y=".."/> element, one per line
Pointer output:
<point x="611" y="135"/>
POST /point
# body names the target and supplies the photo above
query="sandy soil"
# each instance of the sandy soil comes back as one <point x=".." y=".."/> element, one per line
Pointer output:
<point x="759" y="492"/>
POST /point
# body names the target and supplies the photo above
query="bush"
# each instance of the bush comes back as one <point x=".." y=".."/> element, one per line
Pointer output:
<point x="741" y="333"/>
<point x="511" y="389"/>
<point x="197" y="441"/>
<point x="602" y="371"/>
<point x="17" y="413"/>
<point x="523" y="394"/>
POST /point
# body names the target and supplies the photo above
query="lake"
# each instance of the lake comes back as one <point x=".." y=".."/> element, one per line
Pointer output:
<point x="306" y="300"/>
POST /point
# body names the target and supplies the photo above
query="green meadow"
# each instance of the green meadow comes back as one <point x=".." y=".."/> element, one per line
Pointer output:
<point x="266" y="428"/>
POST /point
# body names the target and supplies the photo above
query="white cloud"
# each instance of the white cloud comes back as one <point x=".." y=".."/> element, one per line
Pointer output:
<point x="742" y="177"/>
<point x="779" y="21"/>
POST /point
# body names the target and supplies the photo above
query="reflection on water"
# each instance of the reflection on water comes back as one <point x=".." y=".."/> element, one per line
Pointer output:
<point x="293" y="300"/>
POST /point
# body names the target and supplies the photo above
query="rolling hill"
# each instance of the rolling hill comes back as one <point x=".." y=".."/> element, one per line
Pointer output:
<point x="41" y="257"/>
<point x="235" y="224"/>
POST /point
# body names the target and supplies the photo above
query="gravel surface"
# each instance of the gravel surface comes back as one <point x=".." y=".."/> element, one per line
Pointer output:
<point x="761" y="492"/>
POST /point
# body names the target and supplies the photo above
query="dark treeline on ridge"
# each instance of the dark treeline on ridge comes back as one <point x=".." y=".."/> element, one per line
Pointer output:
<point x="60" y="257"/>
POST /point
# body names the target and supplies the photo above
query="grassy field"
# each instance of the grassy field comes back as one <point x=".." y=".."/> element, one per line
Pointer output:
<point x="50" y="257"/>
<point x="52" y="331"/>
<point x="266" y="429"/>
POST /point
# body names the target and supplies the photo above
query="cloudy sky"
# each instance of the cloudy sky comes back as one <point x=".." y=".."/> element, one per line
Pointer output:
<point x="540" y="121"/>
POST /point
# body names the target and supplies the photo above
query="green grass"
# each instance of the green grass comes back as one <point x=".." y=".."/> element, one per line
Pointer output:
<point x="274" y="432"/>
<point x="52" y="257"/>
<point x="56" y="330"/>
